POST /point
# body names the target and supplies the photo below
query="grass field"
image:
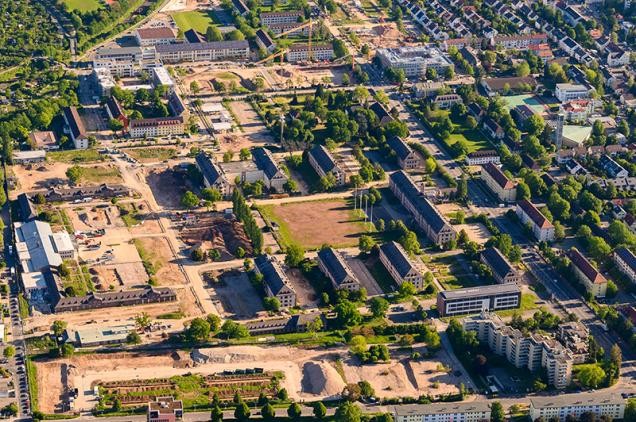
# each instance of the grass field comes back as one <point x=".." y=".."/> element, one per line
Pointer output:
<point x="76" y="156"/>
<point x="473" y="140"/>
<point x="99" y="175"/>
<point x="151" y="154"/>
<point x="194" y="19"/>
<point x="528" y="303"/>
<point x="312" y="224"/>
<point x="82" y="6"/>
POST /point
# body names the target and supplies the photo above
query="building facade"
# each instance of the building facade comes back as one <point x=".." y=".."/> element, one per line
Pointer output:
<point x="333" y="265"/>
<point x="542" y="229"/>
<point x="626" y="262"/>
<point x="323" y="163"/>
<point x="441" y="412"/>
<point x="400" y="266"/>
<point x="155" y="127"/>
<point x="498" y="183"/>
<point x="595" y="283"/>
<point x="303" y="52"/>
<point x="477" y="299"/>
<point x="559" y="407"/>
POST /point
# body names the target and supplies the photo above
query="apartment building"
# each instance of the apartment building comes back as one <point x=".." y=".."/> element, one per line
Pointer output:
<point x="414" y="60"/>
<point x="594" y="282"/>
<point x="612" y="169"/>
<point x="335" y="267"/>
<point x="150" y="36"/>
<point x="577" y="110"/>
<point x="275" y="280"/>
<point x="264" y="41"/>
<point x="75" y="128"/>
<point x="542" y="229"/>
<point x="213" y="176"/>
<point x="279" y="28"/>
<point x="559" y="407"/>
<point x="240" y="7"/>
<point x="155" y="127"/>
<point x="303" y="52"/>
<point x="161" y="77"/>
<point x="407" y="158"/>
<point x="482" y="157"/>
<point x="576" y="337"/>
<point x="205" y="51"/>
<point x="399" y="265"/>
<point x="126" y="61"/>
<point x="626" y="263"/>
<point x="534" y="351"/>
<point x="568" y="92"/>
<point x="273" y="176"/>
<point x="446" y="101"/>
<point x="277" y="18"/>
<point x="474" y="300"/>
<point x="323" y="163"/>
<point x="502" y="269"/>
<point x="441" y="412"/>
<point x="498" y="182"/>
<point x="427" y="217"/>
<point x="519" y="42"/>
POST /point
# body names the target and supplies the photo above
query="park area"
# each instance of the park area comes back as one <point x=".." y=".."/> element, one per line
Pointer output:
<point x="312" y="224"/>
<point x="82" y="6"/>
<point x="199" y="20"/>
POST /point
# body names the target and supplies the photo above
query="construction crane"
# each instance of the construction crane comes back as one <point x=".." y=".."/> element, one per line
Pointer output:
<point x="310" y="24"/>
<point x="273" y="56"/>
<point x="341" y="59"/>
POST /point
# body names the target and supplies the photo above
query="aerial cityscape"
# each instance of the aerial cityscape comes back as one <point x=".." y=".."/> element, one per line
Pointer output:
<point x="318" y="210"/>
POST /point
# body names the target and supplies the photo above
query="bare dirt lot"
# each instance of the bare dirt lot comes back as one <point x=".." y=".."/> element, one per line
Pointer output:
<point x="125" y="275"/>
<point x="163" y="261"/>
<point x="476" y="232"/>
<point x="236" y="297"/>
<point x="167" y="187"/>
<point x="213" y="231"/>
<point x="305" y="294"/>
<point x="87" y="218"/>
<point x="254" y="130"/>
<point x="315" y="223"/>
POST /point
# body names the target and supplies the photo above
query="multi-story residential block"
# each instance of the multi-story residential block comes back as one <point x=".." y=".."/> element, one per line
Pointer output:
<point x="482" y="157"/>
<point x="406" y="157"/>
<point x="594" y="282"/>
<point x="542" y="229"/>
<point x="276" y="282"/>
<point x="414" y="60"/>
<point x="154" y="36"/>
<point x="493" y="129"/>
<point x="576" y="337"/>
<point x="76" y="128"/>
<point x="157" y="126"/>
<point x="534" y="351"/>
<point x="519" y="42"/>
<point x="381" y="113"/>
<point x="399" y="265"/>
<point x="273" y="176"/>
<point x="323" y="163"/>
<point x="165" y="409"/>
<point x="126" y="61"/>
<point x="447" y="100"/>
<point x="610" y="405"/>
<point x="304" y="52"/>
<point x="473" y="300"/>
<point x="333" y="265"/>
<point x="274" y="18"/>
<point x="441" y="412"/>
<point x="498" y="182"/>
<point x="616" y="56"/>
<point x="626" y="262"/>
<point x="279" y="28"/>
<point x="427" y="217"/>
<point x="502" y="270"/>
<point x="264" y="41"/>
<point x="568" y="92"/>
<point x="205" y="51"/>
<point x="577" y="110"/>
<point x="161" y="77"/>
<point x="611" y="168"/>
<point x="542" y="51"/>
<point x="213" y="176"/>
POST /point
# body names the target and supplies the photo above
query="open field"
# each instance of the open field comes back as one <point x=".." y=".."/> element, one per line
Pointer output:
<point x="76" y="156"/>
<point x="156" y="251"/>
<point x="476" y="232"/>
<point x="199" y="20"/>
<point x="312" y="224"/>
<point x="147" y="155"/>
<point x="473" y="140"/>
<point x="82" y="6"/>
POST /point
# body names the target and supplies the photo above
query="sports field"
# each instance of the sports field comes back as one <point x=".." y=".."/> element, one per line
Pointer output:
<point x="526" y="99"/>
<point x="193" y="19"/>
<point x="82" y="6"/>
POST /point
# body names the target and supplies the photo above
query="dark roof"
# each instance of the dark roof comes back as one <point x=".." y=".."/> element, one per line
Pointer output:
<point x="213" y="45"/>
<point x="380" y="111"/>
<point x="492" y="125"/>
<point x="75" y="122"/>
<point x="27" y="209"/>
<point x="240" y="6"/>
<point x="611" y="167"/>
<point x="627" y="256"/>
<point x="475" y="109"/>
<point x="480" y="291"/>
<point x="336" y="265"/>
<point x="581" y="262"/>
<point x="156" y="121"/>
<point x="483" y="153"/>
<point x="108" y="299"/>
<point x="102" y="190"/>
<point x="265" y="162"/>
<point x="498" y="263"/>
<point x="323" y="158"/>
<point x="211" y="172"/>
<point x="533" y="212"/>
<point x="549" y="180"/>
<point x="193" y="36"/>
<point x="401" y="148"/>
<point x="289" y="13"/>
<point x="114" y="107"/>
<point x="264" y="38"/>
<point x="158" y="32"/>
<point x="423" y="206"/>
<point x="498" y="176"/>
<point x="273" y="274"/>
<point x="398" y="257"/>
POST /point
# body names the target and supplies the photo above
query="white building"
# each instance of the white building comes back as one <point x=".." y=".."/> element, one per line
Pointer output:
<point x="272" y="18"/>
<point x="626" y="262"/>
<point x="159" y="126"/>
<point x="599" y="403"/>
<point x="302" y="52"/>
<point x="126" y="61"/>
<point x="204" y="51"/>
<point x="161" y="77"/>
<point x="154" y="36"/>
<point x="414" y="60"/>
<point x="541" y="227"/>
<point x="569" y="92"/>
<point x="476" y="411"/>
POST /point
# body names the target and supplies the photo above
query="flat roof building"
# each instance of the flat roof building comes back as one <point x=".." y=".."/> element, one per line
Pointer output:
<point x="477" y="299"/>
<point x="414" y="60"/>
<point x="611" y="405"/>
<point x="476" y="411"/>
<point x="34" y="246"/>
<point x="165" y="409"/>
<point x="100" y="336"/>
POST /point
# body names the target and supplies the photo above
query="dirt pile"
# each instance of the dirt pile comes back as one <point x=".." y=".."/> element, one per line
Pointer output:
<point x="322" y="379"/>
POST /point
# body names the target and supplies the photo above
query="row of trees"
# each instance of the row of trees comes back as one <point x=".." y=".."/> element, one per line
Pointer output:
<point x="244" y="213"/>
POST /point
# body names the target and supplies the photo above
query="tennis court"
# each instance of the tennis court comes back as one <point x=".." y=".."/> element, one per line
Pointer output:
<point x="525" y="99"/>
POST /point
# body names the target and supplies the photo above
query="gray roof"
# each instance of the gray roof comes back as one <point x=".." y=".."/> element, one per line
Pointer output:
<point x="627" y="256"/>
<point x="380" y="111"/>
<point x="611" y="167"/>
<point x="398" y="257"/>
<point x="273" y="274"/>
<point x="498" y="263"/>
<point x="323" y="158"/>
<point x="481" y="291"/>
<point x="34" y="245"/>
<point x="440" y="408"/>
<point x="581" y="399"/>
<point x="336" y="265"/>
<point x="210" y="170"/>
<point x="265" y="162"/>
<point x="423" y="206"/>
<point x="401" y="148"/>
<point x="27" y="209"/>
<point x="214" y="45"/>
<point x="265" y="38"/>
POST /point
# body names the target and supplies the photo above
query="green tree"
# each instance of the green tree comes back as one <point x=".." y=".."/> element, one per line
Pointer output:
<point x="348" y="315"/>
<point x="235" y="35"/>
<point x="591" y="376"/>
<point x="133" y="337"/>
<point x="216" y="414"/>
<point x="282" y="394"/>
<point x="348" y="412"/>
<point x="214" y="321"/>
<point x="320" y="410"/>
<point x="272" y="304"/>
<point x="268" y="412"/>
<point x="211" y="194"/>
<point x="378" y="306"/>
<point x="213" y="34"/>
<point x="58" y="327"/>
<point x="74" y="174"/>
<point x="8" y="352"/>
<point x="245" y="154"/>
<point x="231" y="329"/>
<point x="143" y="321"/>
<point x="497" y="413"/>
<point x="198" y="331"/>
<point x="242" y="412"/>
<point x="365" y="243"/>
<point x="407" y="289"/>
<point x="189" y="200"/>
<point x="67" y="350"/>
<point x="523" y="191"/>
<point x="294" y="411"/>
<point x="295" y="254"/>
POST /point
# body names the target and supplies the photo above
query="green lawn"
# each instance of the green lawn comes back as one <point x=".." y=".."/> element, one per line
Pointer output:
<point x="151" y="154"/>
<point x="473" y="140"/>
<point x="82" y="6"/>
<point x="194" y="19"/>
<point x="98" y="175"/>
<point x="76" y="156"/>
<point x="528" y="303"/>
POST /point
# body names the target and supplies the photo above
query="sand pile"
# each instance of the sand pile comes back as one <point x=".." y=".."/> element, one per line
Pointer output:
<point x="322" y="379"/>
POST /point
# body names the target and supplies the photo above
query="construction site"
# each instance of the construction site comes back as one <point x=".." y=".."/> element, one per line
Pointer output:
<point x="212" y="231"/>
